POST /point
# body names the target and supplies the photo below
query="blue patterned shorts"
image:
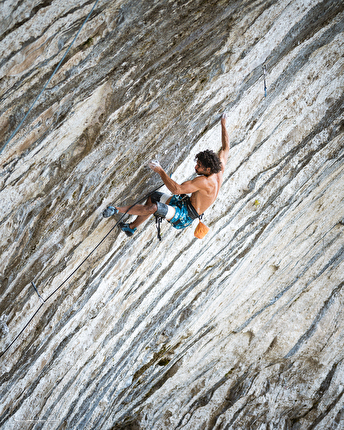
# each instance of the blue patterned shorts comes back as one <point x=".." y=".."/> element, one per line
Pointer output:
<point x="181" y="218"/>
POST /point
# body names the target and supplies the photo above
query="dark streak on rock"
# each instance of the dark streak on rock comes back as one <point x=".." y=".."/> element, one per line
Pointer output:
<point x="326" y="306"/>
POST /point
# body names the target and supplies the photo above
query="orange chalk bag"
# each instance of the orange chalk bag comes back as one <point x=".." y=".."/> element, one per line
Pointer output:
<point x="201" y="230"/>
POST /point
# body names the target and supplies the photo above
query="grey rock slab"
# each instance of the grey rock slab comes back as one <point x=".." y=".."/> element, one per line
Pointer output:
<point x="242" y="330"/>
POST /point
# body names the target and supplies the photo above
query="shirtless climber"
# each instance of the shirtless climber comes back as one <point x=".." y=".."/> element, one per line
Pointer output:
<point x="180" y="210"/>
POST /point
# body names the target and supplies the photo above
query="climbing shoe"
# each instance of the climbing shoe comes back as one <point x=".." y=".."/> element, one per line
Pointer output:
<point x="109" y="211"/>
<point x="126" y="229"/>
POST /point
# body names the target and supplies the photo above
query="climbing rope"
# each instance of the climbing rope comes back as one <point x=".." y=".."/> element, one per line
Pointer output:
<point x="74" y="271"/>
<point x="53" y="74"/>
<point x="264" y="73"/>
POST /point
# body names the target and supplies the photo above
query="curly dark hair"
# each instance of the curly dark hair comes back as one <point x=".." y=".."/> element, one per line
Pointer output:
<point x="208" y="158"/>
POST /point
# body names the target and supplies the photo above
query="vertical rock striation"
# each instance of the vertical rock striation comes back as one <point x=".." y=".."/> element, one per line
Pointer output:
<point x="242" y="330"/>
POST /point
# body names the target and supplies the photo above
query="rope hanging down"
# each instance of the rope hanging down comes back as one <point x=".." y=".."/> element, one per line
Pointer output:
<point x="45" y="86"/>
<point x="75" y="270"/>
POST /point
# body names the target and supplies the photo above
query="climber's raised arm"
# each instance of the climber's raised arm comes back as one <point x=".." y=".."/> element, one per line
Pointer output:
<point x="224" y="151"/>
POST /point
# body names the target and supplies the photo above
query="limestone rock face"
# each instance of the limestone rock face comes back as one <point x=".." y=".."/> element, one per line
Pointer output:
<point x="243" y="329"/>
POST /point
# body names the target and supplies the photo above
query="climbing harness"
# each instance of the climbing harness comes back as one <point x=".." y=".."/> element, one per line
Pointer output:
<point x="183" y="199"/>
<point x="73" y="272"/>
<point x="45" y="86"/>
